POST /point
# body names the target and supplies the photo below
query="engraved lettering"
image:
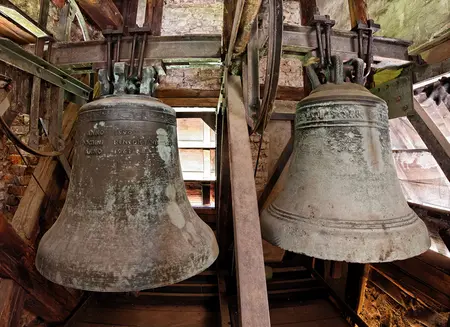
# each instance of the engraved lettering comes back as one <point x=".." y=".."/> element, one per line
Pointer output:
<point x="96" y="132"/>
<point x="93" y="142"/>
<point x="94" y="151"/>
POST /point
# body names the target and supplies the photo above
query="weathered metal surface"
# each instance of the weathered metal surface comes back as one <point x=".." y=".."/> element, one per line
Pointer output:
<point x="398" y="95"/>
<point x="127" y="224"/>
<point x="103" y="12"/>
<point x="252" y="289"/>
<point x="16" y="56"/>
<point x="343" y="201"/>
<point x="345" y="44"/>
<point x="162" y="47"/>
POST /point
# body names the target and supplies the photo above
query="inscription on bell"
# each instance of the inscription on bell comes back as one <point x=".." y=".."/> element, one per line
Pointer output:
<point x="96" y="132"/>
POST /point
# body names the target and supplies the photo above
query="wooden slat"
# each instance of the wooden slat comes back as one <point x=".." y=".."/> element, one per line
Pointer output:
<point x="12" y="299"/>
<point x="412" y="286"/>
<point x="426" y="274"/>
<point x="173" y="317"/>
<point x="252" y="290"/>
<point x="434" y="139"/>
<point x="17" y="262"/>
<point x="310" y="311"/>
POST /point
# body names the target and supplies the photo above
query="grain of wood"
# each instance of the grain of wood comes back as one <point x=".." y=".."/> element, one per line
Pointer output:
<point x="252" y="290"/>
<point x="12" y="299"/>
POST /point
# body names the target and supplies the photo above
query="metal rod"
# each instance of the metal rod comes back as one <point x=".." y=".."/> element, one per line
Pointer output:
<point x="319" y="43"/>
<point x="141" y="56"/>
<point x="133" y="50"/>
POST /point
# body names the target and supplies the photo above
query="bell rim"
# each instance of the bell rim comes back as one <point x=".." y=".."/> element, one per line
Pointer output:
<point x="64" y="281"/>
<point x="344" y="242"/>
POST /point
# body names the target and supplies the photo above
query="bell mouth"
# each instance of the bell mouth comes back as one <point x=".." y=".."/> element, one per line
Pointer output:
<point x="341" y="92"/>
<point x="404" y="238"/>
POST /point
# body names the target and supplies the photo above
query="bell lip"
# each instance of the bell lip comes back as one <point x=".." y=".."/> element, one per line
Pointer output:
<point x="213" y="258"/>
<point x="341" y="92"/>
<point x="349" y="246"/>
<point x="110" y="100"/>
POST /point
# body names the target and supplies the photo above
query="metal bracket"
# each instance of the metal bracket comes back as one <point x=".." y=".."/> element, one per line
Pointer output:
<point x="121" y="83"/>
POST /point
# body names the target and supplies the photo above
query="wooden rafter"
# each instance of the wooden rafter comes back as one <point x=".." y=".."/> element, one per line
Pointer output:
<point x="103" y="12"/>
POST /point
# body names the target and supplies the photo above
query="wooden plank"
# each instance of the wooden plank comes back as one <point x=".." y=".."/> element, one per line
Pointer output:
<point x="17" y="262"/>
<point x="413" y="287"/>
<point x="252" y="290"/>
<point x="225" y="319"/>
<point x="358" y="12"/>
<point x="12" y="299"/>
<point x="224" y="204"/>
<point x="190" y="102"/>
<point x="26" y="218"/>
<point x="335" y="322"/>
<point x="157" y="17"/>
<point x="310" y="311"/>
<point x="34" y="113"/>
<point x="103" y="12"/>
<point x="136" y="317"/>
<point x="426" y="274"/>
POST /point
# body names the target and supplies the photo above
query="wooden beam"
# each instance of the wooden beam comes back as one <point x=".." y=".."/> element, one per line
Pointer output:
<point x="26" y="218"/>
<point x="358" y="12"/>
<point x="433" y="138"/>
<point x="15" y="33"/>
<point x="103" y="12"/>
<point x="55" y="302"/>
<point x="156" y="15"/>
<point x="12" y="299"/>
<point x="308" y="8"/>
<point x="190" y="102"/>
<point x="252" y="290"/>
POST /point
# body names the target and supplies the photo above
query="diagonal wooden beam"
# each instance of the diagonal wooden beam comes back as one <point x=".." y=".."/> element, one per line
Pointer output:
<point x="26" y="218"/>
<point x="12" y="300"/>
<point x="103" y="12"/>
<point x="252" y="290"/>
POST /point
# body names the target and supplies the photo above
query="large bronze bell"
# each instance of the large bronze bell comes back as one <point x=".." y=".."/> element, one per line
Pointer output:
<point x="127" y="224"/>
<point x="343" y="200"/>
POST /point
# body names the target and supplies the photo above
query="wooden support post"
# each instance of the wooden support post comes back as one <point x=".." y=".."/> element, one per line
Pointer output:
<point x="206" y="194"/>
<point x="54" y="302"/>
<point x="223" y="302"/>
<point x="433" y="138"/>
<point x="358" y="12"/>
<point x="308" y="8"/>
<point x="252" y="290"/>
<point x="34" y="113"/>
<point x="26" y="218"/>
<point x="154" y="16"/>
<point x="103" y="12"/>
<point x="56" y="109"/>
<point x="223" y="194"/>
<point x="12" y="299"/>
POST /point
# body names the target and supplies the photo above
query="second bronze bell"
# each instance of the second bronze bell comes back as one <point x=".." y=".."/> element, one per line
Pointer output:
<point x="127" y="224"/>
<point x="343" y="200"/>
